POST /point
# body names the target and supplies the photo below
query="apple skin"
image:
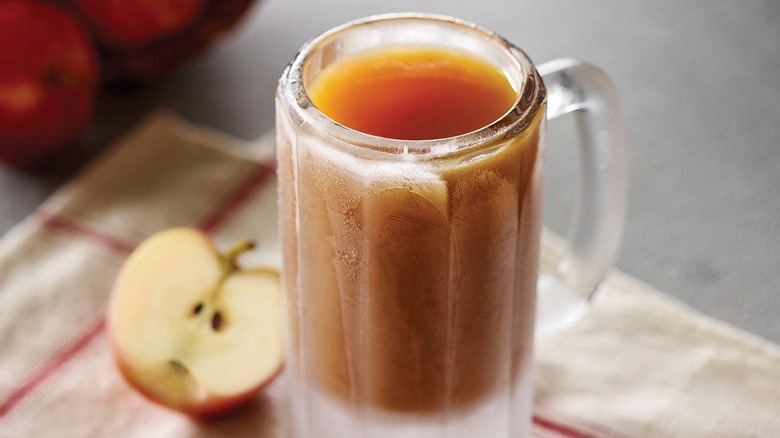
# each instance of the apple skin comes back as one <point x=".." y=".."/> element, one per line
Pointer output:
<point x="214" y="407"/>
<point x="49" y="76"/>
<point x="132" y="23"/>
<point x="143" y="54"/>
<point x="128" y="323"/>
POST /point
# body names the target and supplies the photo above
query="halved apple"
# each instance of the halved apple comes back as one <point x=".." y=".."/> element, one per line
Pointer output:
<point x="192" y="330"/>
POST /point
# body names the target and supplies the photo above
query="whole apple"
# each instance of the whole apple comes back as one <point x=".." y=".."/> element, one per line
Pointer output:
<point x="48" y="81"/>
<point x="122" y="24"/>
<point x="142" y="40"/>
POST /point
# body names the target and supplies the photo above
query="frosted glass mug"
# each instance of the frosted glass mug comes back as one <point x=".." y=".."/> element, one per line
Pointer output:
<point x="411" y="267"/>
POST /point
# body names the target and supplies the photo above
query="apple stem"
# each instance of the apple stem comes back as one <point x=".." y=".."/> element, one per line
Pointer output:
<point x="237" y="249"/>
<point x="230" y="265"/>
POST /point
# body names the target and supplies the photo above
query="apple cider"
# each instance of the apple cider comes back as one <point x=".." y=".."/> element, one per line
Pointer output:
<point x="410" y="261"/>
<point x="413" y="93"/>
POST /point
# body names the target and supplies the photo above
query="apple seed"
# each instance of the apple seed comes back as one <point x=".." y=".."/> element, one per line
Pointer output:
<point x="216" y="321"/>
<point x="178" y="368"/>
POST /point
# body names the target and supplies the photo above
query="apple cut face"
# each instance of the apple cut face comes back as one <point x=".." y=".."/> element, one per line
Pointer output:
<point x="192" y="331"/>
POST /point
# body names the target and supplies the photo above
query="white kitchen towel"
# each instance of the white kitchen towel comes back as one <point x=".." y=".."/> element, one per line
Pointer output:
<point x="639" y="364"/>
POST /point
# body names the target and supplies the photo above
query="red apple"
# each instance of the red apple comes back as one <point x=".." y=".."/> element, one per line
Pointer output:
<point x="48" y="80"/>
<point x="133" y="23"/>
<point x="192" y="330"/>
<point x="142" y="40"/>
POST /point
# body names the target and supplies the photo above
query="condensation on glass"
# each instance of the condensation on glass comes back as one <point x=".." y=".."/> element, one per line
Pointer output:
<point x="411" y="266"/>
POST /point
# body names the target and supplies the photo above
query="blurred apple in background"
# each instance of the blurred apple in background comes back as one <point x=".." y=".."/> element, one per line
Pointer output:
<point x="48" y="80"/>
<point x="141" y="40"/>
<point x="54" y="53"/>
<point x="125" y="23"/>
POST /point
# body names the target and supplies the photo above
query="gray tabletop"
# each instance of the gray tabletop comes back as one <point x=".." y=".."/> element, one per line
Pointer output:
<point x="699" y="85"/>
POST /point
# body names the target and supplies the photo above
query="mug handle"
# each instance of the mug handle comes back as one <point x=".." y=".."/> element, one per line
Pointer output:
<point x="598" y="216"/>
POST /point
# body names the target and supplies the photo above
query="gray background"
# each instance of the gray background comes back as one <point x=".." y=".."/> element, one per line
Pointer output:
<point x="699" y="85"/>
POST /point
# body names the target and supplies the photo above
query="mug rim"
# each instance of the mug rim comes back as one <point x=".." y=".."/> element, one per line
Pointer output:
<point x="530" y="95"/>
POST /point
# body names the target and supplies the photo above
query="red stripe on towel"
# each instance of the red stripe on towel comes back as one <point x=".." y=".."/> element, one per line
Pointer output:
<point x="47" y="371"/>
<point x="545" y="411"/>
<point x="260" y="176"/>
<point x="62" y="224"/>
<point x="559" y="428"/>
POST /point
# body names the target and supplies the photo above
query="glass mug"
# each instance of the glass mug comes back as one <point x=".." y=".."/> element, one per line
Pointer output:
<point x="411" y="265"/>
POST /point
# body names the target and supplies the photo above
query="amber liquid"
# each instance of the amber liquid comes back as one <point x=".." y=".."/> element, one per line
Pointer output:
<point x="412" y="285"/>
<point x="413" y="93"/>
